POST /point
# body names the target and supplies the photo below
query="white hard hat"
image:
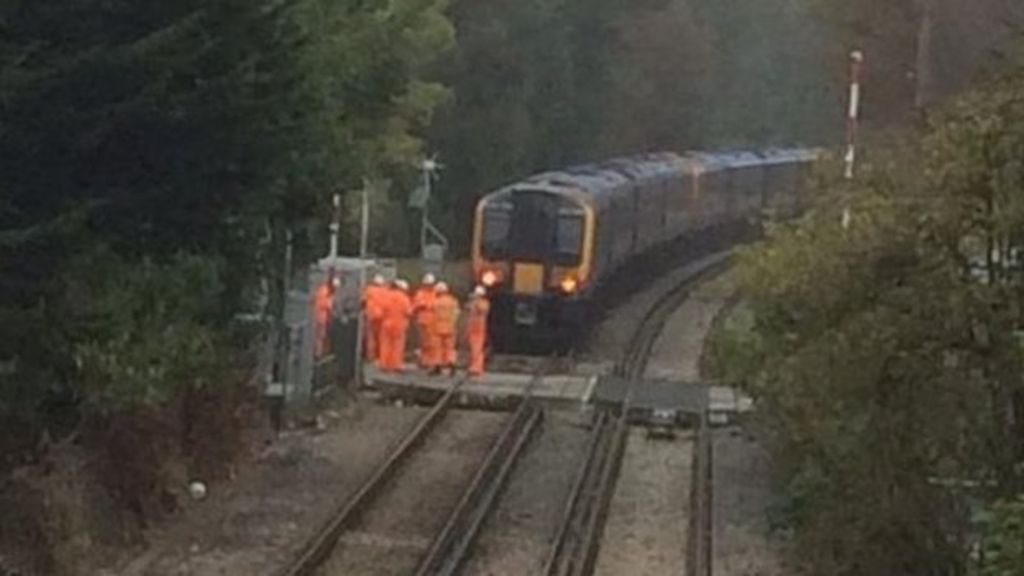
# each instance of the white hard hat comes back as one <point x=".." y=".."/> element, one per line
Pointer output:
<point x="441" y="287"/>
<point x="378" y="279"/>
<point x="480" y="291"/>
<point x="197" y="490"/>
<point x="402" y="284"/>
<point x="429" y="279"/>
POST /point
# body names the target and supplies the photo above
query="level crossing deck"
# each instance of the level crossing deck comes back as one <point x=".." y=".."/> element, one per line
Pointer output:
<point x="657" y="398"/>
<point x="491" y="389"/>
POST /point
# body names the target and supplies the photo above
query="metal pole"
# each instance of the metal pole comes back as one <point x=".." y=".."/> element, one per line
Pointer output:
<point x="364" y="241"/>
<point x="853" y="114"/>
<point x="285" y="367"/>
<point x="364" y="228"/>
<point x="427" y="165"/>
<point x="335" y="226"/>
<point x="289" y="250"/>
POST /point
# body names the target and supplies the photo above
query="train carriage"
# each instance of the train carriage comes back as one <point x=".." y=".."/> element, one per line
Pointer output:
<point x="545" y="246"/>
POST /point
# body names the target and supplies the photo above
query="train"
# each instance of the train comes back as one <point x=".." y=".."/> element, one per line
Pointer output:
<point x="545" y="247"/>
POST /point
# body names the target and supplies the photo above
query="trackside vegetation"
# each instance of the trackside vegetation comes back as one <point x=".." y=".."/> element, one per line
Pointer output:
<point x="881" y="335"/>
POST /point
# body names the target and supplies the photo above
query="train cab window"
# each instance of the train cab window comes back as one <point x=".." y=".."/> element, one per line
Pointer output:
<point x="496" y="229"/>
<point x="569" y="237"/>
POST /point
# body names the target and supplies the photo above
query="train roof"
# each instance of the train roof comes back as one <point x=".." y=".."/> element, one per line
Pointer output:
<point x="744" y="159"/>
<point x="711" y="161"/>
<point x="599" y="182"/>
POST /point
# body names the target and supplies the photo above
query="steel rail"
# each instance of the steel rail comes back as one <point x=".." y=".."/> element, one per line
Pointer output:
<point x="586" y="513"/>
<point x="590" y="544"/>
<point x="320" y="546"/>
<point x="559" y="560"/>
<point x="449" y="549"/>
<point x="700" y="540"/>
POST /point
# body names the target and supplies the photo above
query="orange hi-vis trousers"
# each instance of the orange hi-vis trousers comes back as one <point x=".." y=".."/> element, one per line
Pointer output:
<point x="428" y="344"/>
<point x="373" y="303"/>
<point x="447" y="353"/>
<point x="392" y="352"/>
<point x="373" y="335"/>
<point x="477" y="352"/>
<point x="476" y="329"/>
<point x="446" y="318"/>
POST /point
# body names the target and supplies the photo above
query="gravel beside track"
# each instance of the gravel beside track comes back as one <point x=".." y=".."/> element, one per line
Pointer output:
<point x="646" y="528"/>
<point x="646" y="531"/>
<point x="613" y="333"/>
<point x="397" y="531"/>
<point x="515" y="539"/>
<point x="677" y="353"/>
<point x="257" y="524"/>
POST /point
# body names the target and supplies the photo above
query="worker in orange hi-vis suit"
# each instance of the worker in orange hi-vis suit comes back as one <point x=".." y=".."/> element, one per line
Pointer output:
<point x="373" y="301"/>
<point x="323" y="306"/>
<point x="476" y="330"/>
<point x="446" y="321"/>
<point x="423" y="309"/>
<point x="395" y="326"/>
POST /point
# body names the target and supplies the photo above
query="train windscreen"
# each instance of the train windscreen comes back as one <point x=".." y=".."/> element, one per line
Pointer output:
<point x="496" y="228"/>
<point x="533" y="226"/>
<point x="569" y="236"/>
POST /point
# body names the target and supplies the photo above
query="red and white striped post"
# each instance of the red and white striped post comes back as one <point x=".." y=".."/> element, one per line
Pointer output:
<point x="853" y="114"/>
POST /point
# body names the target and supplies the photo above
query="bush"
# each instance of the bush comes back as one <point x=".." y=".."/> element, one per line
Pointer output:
<point x="1002" y="528"/>
<point x="883" y="348"/>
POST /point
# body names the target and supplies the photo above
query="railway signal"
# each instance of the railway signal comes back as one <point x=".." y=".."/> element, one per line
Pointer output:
<point x="853" y="112"/>
<point x="433" y="254"/>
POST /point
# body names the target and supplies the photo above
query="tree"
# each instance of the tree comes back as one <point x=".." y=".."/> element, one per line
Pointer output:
<point x="545" y="84"/>
<point x="154" y="141"/>
<point x="885" y="353"/>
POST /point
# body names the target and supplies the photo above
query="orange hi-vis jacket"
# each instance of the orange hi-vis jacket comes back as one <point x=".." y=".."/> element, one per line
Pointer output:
<point x="373" y="304"/>
<point x="476" y="332"/>
<point x="373" y="301"/>
<point x="446" y="315"/>
<point x="423" y="305"/>
<point x="324" y="303"/>
<point x="324" y="307"/>
<point x="479" y="309"/>
<point x="396" y="310"/>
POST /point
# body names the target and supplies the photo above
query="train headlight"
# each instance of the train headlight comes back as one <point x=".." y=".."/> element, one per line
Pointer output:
<point x="489" y="278"/>
<point x="569" y="285"/>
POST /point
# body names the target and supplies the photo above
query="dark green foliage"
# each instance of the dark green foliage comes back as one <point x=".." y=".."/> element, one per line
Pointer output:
<point x="147" y="151"/>
<point x="542" y="84"/>
<point x="885" y="354"/>
<point x="770" y="81"/>
<point x="1002" y="551"/>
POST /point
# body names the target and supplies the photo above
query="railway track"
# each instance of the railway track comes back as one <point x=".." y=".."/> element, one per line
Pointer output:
<point x="336" y="547"/>
<point x="576" y="528"/>
<point x="574" y="550"/>
<point x="452" y="546"/>
<point x="319" y="549"/>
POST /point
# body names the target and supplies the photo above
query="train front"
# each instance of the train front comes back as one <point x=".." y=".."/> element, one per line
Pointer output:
<point x="533" y="250"/>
